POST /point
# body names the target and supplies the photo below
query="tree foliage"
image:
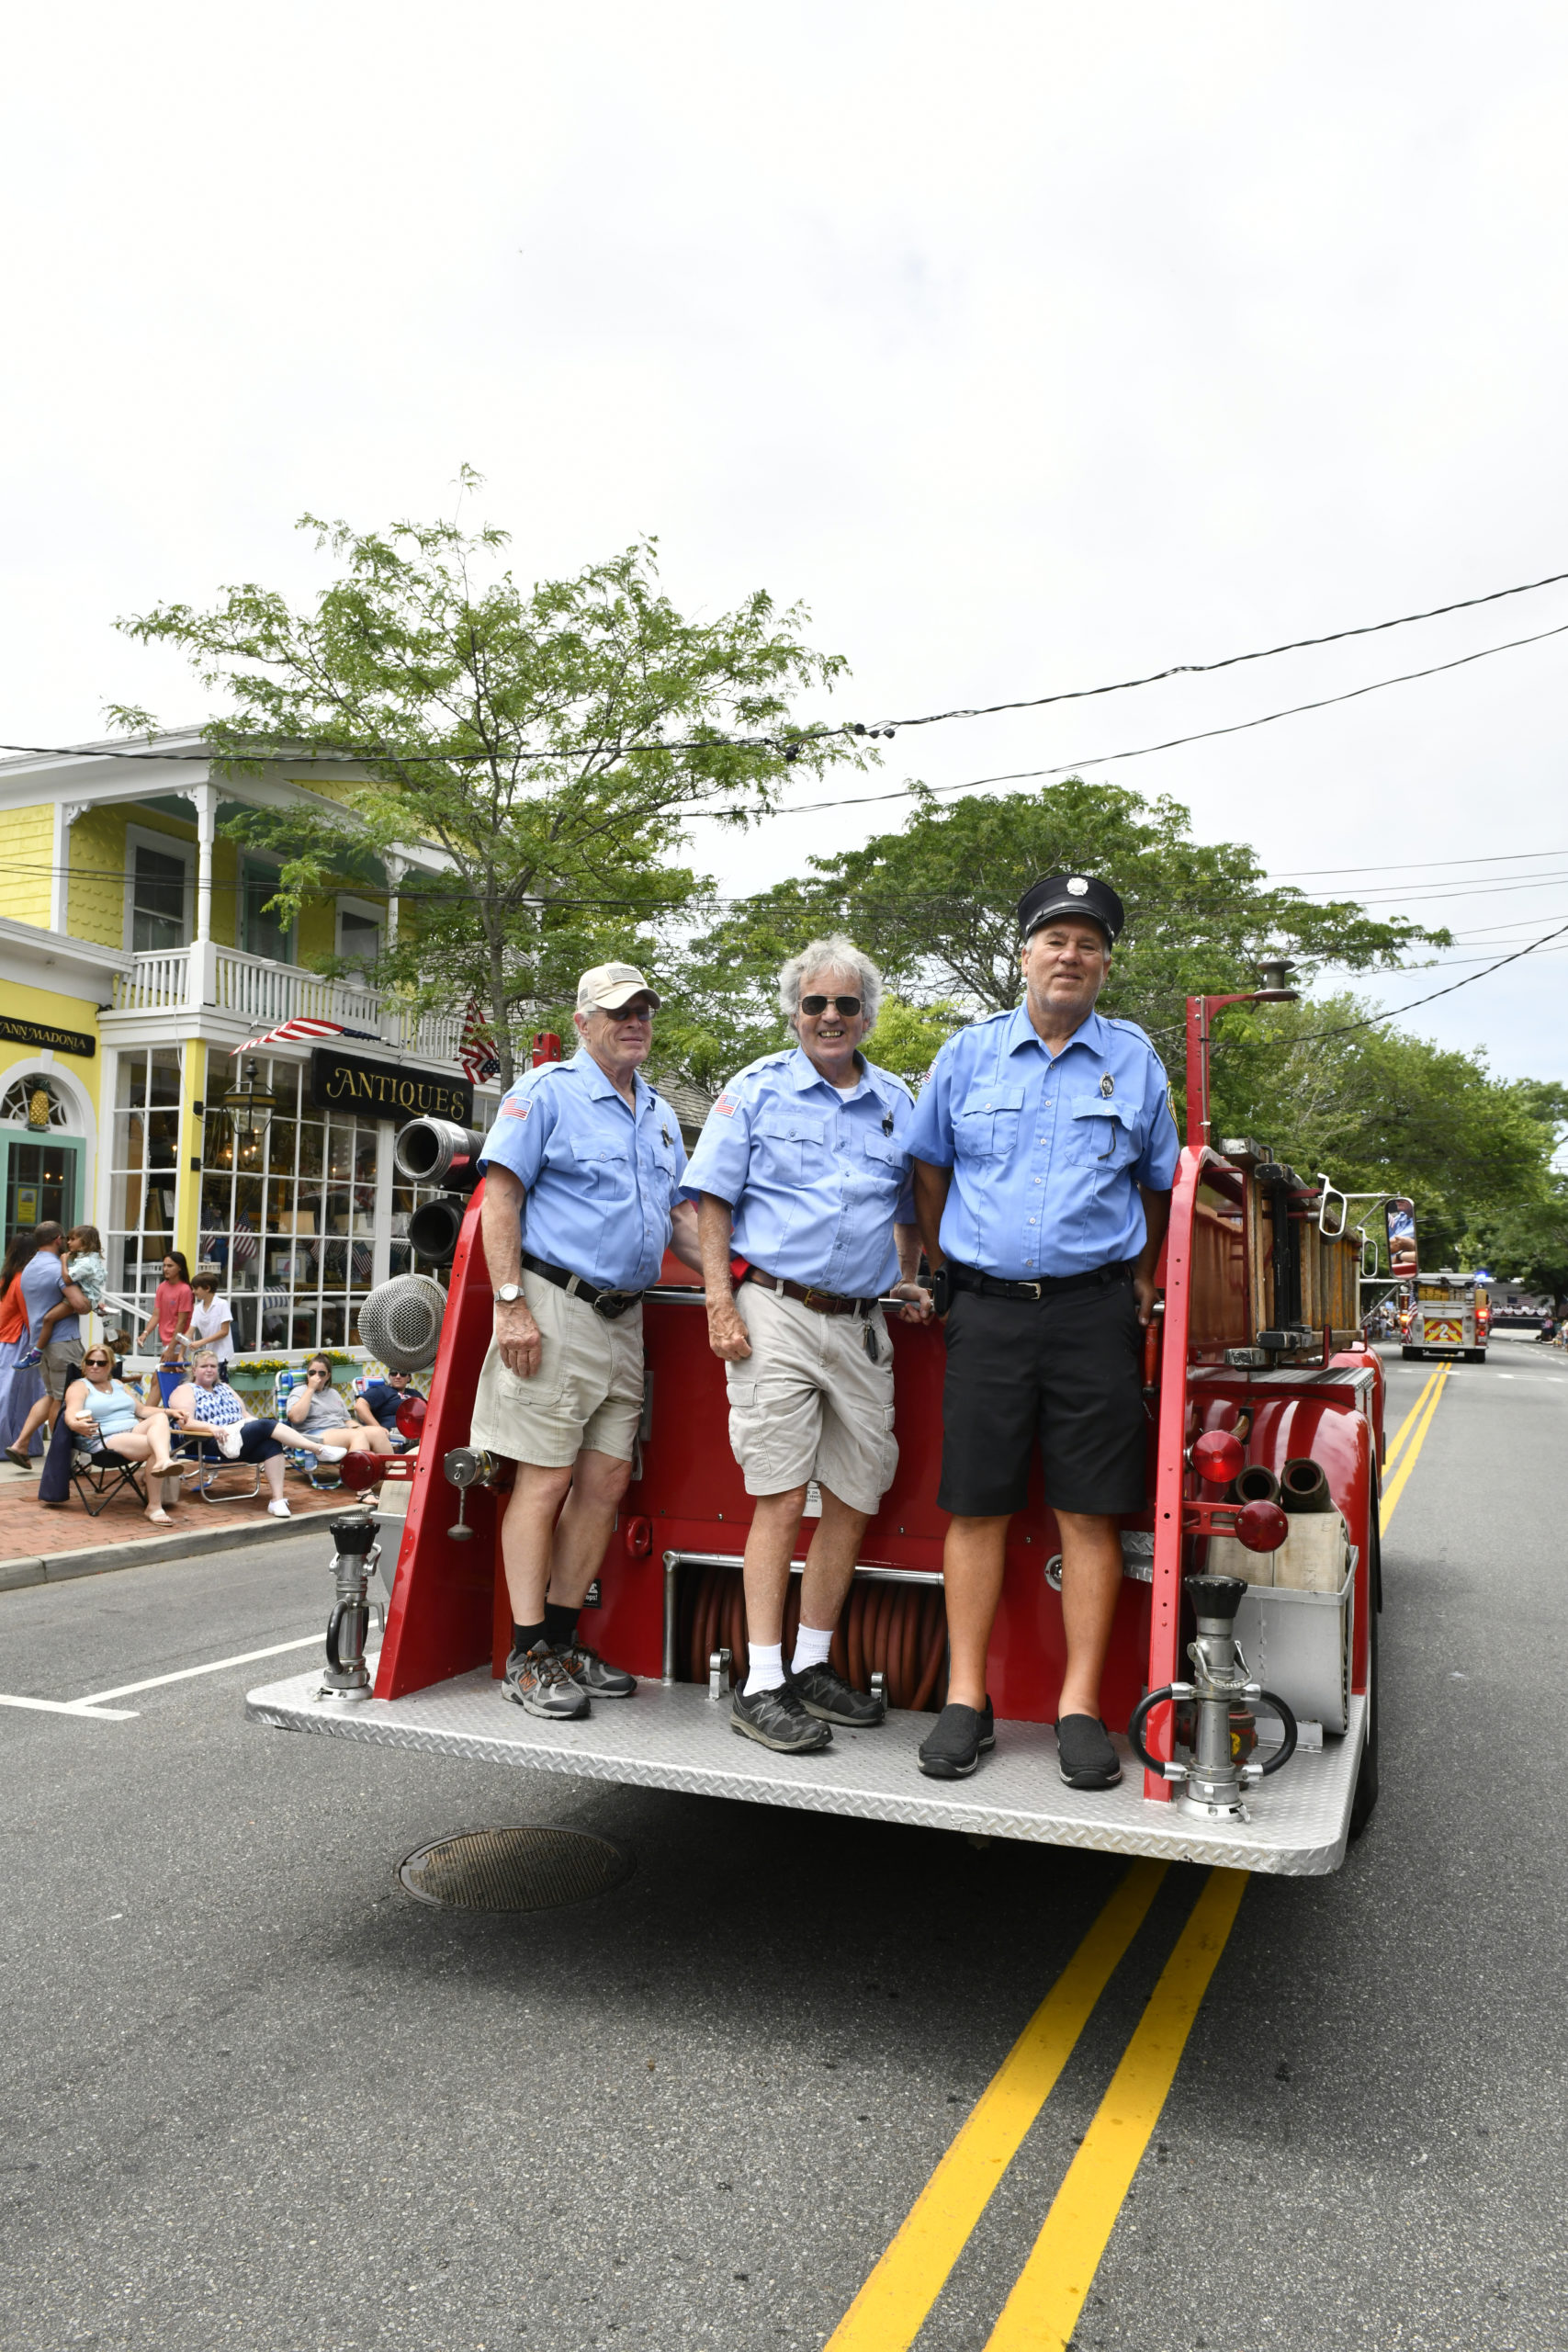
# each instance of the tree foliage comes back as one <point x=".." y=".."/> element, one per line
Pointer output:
<point x="936" y="905"/>
<point x="548" y="742"/>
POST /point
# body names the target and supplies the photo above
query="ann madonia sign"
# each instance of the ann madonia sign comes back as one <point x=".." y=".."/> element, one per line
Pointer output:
<point x="384" y="1090"/>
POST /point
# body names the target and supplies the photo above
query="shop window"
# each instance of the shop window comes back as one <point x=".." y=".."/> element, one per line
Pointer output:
<point x="359" y="930"/>
<point x="143" y="1172"/>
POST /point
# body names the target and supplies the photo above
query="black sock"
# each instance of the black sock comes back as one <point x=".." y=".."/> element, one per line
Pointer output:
<point x="561" y="1625"/>
<point x="526" y="1637"/>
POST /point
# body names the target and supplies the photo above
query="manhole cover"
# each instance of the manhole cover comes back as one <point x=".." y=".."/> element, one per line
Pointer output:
<point x="514" y="1870"/>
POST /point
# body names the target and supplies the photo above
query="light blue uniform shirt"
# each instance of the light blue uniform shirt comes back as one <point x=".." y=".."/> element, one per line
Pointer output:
<point x="1046" y="1155"/>
<point x="599" y="1182"/>
<point x="816" y="1179"/>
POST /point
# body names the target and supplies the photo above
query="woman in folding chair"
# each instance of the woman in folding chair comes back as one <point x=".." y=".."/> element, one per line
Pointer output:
<point x="211" y="1416"/>
<point x="107" y="1419"/>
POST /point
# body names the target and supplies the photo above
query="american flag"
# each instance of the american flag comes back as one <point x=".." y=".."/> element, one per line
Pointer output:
<point x="245" y="1247"/>
<point x="476" y="1054"/>
<point x="296" y="1030"/>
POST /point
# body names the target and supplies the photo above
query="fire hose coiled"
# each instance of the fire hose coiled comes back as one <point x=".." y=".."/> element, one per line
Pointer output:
<point x="896" y="1630"/>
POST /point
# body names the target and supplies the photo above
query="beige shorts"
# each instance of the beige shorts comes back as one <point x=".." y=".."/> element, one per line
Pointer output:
<point x="61" y="1364"/>
<point x="587" y="1391"/>
<point x="808" y="1402"/>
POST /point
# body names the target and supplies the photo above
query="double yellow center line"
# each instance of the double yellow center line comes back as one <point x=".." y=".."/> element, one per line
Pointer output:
<point x="1048" y="2297"/>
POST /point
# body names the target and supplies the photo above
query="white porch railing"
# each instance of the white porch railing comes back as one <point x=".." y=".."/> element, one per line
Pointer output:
<point x="263" y="995"/>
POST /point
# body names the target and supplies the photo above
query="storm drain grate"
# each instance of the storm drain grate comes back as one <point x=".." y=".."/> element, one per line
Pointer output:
<point x="514" y="1870"/>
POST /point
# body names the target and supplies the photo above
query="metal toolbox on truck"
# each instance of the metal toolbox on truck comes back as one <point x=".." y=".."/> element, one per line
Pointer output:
<point x="1300" y="1645"/>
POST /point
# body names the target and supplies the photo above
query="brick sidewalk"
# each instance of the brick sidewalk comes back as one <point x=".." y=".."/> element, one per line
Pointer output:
<point x="29" y="1529"/>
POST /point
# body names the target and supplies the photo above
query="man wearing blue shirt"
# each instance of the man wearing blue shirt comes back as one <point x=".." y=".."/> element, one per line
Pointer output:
<point x="581" y="1169"/>
<point x="1044" y="1153"/>
<point x="807" y="1218"/>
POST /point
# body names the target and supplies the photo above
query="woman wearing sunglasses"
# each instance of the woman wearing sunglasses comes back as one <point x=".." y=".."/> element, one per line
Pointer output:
<point x="207" y="1408"/>
<point x="316" y="1413"/>
<point x="104" y="1416"/>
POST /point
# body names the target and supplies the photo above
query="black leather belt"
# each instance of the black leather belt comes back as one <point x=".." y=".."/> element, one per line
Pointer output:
<point x="992" y="1285"/>
<point x="607" y="1303"/>
<point x="821" y="1302"/>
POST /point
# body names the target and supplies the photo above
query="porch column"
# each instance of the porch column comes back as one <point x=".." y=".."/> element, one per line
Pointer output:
<point x="396" y="867"/>
<point x="200" y="971"/>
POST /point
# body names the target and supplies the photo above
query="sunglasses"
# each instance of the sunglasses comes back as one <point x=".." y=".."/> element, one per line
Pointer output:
<point x="849" y="1005"/>
<point x="92" y="1362"/>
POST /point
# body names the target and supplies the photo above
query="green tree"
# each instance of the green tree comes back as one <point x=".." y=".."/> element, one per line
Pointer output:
<point x="1376" y="1109"/>
<point x="936" y="905"/>
<point x="547" y="741"/>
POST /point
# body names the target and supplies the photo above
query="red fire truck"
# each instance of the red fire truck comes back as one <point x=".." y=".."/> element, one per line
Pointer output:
<point x="1242" y="1672"/>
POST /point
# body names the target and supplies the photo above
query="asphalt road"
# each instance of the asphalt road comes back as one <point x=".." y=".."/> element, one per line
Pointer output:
<point x="252" y="2094"/>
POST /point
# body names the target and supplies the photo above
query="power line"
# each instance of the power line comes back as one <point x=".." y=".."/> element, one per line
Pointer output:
<point x="1375" y="1019"/>
<point x="783" y="740"/>
<point x="1144" y="751"/>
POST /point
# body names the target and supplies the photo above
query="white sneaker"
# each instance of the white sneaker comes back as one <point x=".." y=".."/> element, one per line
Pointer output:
<point x="279" y="1509"/>
<point x="229" y="1440"/>
<point x="332" y="1454"/>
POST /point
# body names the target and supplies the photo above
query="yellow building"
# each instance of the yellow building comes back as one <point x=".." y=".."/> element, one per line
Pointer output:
<point x="136" y="954"/>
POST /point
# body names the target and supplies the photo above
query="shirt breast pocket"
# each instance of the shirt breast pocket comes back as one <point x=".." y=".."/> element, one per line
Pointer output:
<point x="986" y="1126"/>
<point x="790" y="1147"/>
<point x="885" y="1164"/>
<point x="606" y="1166"/>
<point x="1101" y="1134"/>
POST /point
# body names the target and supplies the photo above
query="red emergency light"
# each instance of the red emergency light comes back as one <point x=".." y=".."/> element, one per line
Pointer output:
<point x="1261" y="1527"/>
<point x="1218" y="1456"/>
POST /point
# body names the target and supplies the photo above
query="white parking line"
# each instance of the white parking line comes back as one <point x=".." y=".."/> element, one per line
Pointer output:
<point x="93" y="1706"/>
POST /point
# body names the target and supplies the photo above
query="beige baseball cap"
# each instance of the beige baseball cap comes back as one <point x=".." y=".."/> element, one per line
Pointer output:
<point x="610" y="987"/>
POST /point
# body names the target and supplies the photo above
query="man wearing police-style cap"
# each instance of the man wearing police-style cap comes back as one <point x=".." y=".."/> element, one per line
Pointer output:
<point x="582" y="1167"/>
<point x="1044" y="1151"/>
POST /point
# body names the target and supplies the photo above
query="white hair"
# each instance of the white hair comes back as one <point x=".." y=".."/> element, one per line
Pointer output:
<point x="836" y="954"/>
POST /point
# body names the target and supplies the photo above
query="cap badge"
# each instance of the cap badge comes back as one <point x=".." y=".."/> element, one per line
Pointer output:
<point x="1108" y="1086"/>
<point x="1077" y="885"/>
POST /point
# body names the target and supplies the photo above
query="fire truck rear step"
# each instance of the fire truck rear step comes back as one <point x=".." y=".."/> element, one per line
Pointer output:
<point x="672" y="1736"/>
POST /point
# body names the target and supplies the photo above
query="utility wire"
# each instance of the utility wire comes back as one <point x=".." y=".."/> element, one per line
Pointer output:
<point x="1376" y="1020"/>
<point x="1144" y="751"/>
<point x="825" y="733"/>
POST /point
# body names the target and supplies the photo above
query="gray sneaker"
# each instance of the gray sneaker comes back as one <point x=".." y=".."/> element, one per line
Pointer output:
<point x="777" y="1720"/>
<point x="537" y="1679"/>
<point x="589" y="1673"/>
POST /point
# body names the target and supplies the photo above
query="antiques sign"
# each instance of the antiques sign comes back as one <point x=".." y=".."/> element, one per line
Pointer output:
<point x="38" y="1033"/>
<point x="384" y="1090"/>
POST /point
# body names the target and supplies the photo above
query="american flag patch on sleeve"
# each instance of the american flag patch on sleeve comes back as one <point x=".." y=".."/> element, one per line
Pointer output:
<point x="726" y="1105"/>
<point x="510" y="1109"/>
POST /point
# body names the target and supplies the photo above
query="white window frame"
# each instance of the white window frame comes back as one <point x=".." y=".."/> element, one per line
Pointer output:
<point x="368" y="908"/>
<point x="167" y="845"/>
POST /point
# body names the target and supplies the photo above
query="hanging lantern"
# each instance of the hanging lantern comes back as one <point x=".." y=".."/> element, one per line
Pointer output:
<point x="248" y="1106"/>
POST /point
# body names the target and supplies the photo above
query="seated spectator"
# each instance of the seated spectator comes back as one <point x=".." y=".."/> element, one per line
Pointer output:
<point x="377" y="1408"/>
<point x="104" y="1416"/>
<point x="317" y="1410"/>
<point x="206" y="1407"/>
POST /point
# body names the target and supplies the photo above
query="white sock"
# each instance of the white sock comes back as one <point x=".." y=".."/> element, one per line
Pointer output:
<point x="811" y="1647"/>
<point x="767" y="1667"/>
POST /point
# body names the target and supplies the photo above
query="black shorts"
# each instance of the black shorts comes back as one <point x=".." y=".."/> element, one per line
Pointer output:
<point x="1065" y="1370"/>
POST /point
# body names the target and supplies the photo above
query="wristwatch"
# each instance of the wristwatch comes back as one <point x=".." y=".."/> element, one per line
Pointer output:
<point x="507" y="1294"/>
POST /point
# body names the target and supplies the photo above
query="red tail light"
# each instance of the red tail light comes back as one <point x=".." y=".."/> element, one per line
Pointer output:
<point x="360" y="1471"/>
<point x="1218" y="1458"/>
<point x="1261" y="1527"/>
<point x="410" y="1418"/>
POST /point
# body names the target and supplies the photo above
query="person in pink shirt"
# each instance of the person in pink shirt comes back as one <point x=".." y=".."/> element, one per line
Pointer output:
<point x="172" y="1303"/>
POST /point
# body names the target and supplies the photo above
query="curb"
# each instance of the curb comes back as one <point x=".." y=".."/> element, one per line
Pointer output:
<point x="58" y="1567"/>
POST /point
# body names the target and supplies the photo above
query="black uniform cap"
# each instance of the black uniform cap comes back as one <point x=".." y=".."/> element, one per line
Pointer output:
<point x="1071" y="894"/>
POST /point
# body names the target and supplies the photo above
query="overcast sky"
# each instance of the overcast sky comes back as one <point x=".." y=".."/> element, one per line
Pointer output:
<point x="1029" y="346"/>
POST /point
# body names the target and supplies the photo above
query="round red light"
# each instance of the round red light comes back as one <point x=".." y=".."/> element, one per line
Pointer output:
<point x="360" y="1471"/>
<point x="1218" y="1456"/>
<point x="1261" y="1527"/>
<point x="410" y="1418"/>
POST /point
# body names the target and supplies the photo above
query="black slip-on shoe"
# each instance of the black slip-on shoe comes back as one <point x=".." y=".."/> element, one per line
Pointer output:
<point x="961" y="1736"/>
<point x="832" y="1702"/>
<point x="776" y="1719"/>
<point x="1084" y="1753"/>
<point x="591" y="1673"/>
<point x="537" y="1680"/>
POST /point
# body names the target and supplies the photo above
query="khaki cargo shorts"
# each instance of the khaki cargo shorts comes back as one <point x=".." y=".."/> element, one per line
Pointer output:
<point x="808" y="1402"/>
<point x="587" y="1391"/>
<point x="61" y="1366"/>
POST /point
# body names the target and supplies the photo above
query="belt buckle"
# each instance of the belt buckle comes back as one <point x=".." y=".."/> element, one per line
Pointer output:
<point x="1035" y="1291"/>
<point x="813" y="1294"/>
